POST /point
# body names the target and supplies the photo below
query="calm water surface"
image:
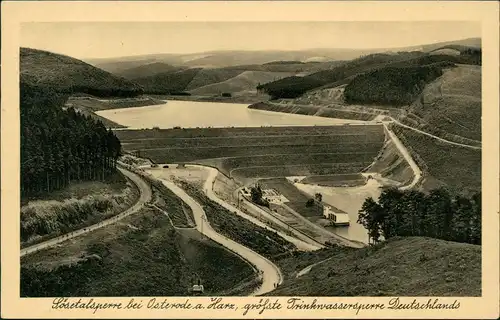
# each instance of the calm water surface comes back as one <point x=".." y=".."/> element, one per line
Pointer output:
<point x="188" y="114"/>
<point x="348" y="199"/>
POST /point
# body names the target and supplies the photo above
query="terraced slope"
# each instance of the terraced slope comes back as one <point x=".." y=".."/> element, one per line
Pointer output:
<point x="263" y="152"/>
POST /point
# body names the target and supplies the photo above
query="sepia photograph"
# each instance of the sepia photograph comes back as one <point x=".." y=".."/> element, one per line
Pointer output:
<point x="251" y="159"/>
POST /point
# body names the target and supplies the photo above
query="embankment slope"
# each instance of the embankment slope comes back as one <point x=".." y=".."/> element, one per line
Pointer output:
<point x="411" y="266"/>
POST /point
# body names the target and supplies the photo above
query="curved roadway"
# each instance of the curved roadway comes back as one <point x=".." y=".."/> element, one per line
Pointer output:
<point x="270" y="273"/>
<point x="417" y="173"/>
<point x="145" y="196"/>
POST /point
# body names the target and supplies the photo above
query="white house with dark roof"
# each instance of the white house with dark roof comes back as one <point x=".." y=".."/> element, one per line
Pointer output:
<point x="337" y="217"/>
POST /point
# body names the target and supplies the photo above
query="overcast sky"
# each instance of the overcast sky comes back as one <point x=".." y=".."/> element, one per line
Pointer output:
<point x="116" y="39"/>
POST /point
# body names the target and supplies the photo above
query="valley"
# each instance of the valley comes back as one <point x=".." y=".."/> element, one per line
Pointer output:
<point x="278" y="173"/>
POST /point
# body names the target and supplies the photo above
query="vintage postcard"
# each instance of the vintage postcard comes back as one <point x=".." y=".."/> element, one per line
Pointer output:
<point x="250" y="160"/>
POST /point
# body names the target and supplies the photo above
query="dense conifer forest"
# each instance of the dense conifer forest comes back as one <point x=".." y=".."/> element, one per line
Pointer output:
<point x="413" y="213"/>
<point x="391" y="86"/>
<point x="59" y="146"/>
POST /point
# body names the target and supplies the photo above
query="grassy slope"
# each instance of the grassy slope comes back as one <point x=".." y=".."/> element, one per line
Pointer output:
<point x="400" y="267"/>
<point x="211" y="76"/>
<point x="452" y="103"/>
<point x="456" y="167"/>
<point x="66" y="74"/>
<point x="246" y="81"/>
<point x="76" y="206"/>
<point x="140" y="256"/>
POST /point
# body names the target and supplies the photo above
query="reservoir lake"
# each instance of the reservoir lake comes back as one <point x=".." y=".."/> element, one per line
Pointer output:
<point x="188" y="114"/>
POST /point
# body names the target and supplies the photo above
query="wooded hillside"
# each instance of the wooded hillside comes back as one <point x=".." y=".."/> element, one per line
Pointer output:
<point x="70" y="75"/>
<point x="59" y="146"/>
<point x="391" y="86"/>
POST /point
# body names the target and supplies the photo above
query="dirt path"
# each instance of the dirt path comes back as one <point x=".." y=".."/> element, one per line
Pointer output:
<point x="436" y="137"/>
<point x="145" y="196"/>
<point x="270" y="273"/>
<point x="307" y="269"/>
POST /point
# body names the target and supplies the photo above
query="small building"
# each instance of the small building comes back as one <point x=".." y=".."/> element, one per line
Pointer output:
<point x="273" y="196"/>
<point x="338" y="218"/>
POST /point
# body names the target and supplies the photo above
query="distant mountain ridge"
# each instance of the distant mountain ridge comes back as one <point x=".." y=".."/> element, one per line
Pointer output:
<point x="240" y="57"/>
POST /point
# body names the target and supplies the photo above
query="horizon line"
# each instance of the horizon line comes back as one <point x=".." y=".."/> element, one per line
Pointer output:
<point x="261" y="50"/>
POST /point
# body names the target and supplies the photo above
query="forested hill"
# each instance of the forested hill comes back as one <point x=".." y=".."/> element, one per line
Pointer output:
<point x="369" y="71"/>
<point x="69" y="75"/>
<point x="392" y="86"/>
<point x="60" y="146"/>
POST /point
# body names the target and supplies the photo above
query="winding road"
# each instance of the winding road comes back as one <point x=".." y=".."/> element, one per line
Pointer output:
<point x="145" y="196"/>
<point x="270" y="273"/>
<point x="417" y="173"/>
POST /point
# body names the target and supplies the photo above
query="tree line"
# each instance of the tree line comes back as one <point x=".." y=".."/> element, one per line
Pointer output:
<point x="59" y="146"/>
<point x="437" y="214"/>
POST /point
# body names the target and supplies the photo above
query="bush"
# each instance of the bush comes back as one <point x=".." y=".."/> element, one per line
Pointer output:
<point x="309" y="203"/>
